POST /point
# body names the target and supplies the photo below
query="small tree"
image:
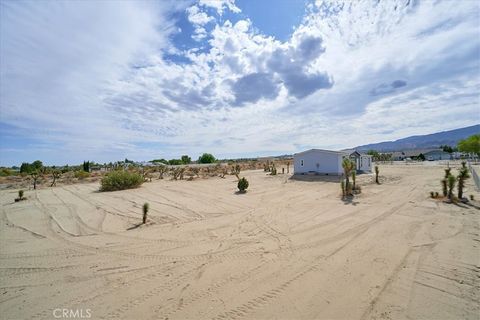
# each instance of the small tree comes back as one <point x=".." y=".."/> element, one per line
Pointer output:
<point x="35" y="176"/>
<point x="86" y="166"/>
<point x="451" y="185"/>
<point x="242" y="184"/>
<point x="377" y="171"/>
<point x="470" y="144"/>
<point x="145" y="208"/>
<point x="206" y="158"/>
<point x="186" y="159"/>
<point x="236" y="171"/>
<point x="162" y="170"/>
<point x="462" y="176"/>
<point x="55" y="176"/>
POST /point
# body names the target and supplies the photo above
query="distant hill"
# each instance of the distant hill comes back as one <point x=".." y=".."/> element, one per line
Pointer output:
<point x="433" y="140"/>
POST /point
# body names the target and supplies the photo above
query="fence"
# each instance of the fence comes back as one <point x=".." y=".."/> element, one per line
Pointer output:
<point x="475" y="176"/>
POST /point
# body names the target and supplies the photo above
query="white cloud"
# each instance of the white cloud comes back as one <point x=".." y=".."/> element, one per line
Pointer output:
<point x="386" y="70"/>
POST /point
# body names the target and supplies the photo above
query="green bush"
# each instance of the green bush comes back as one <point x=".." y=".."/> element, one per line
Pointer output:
<point x="121" y="180"/>
<point x="80" y="174"/>
<point x="242" y="184"/>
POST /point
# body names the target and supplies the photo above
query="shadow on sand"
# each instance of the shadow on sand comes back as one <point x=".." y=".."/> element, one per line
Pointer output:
<point x="135" y="226"/>
<point x="315" y="178"/>
<point x="349" y="200"/>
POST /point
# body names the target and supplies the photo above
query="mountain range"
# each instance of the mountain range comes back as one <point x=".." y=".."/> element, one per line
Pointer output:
<point x="433" y="140"/>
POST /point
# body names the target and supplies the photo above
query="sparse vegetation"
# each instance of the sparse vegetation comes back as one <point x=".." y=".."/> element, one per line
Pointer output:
<point x="20" y="196"/>
<point x="35" y="177"/>
<point x="451" y="186"/>
<point x="80" y="174"/>
<point x="162" y="170"/>
<point x="348" y="167"/>
<point x="145" y="209"/>
<point x="236" y="171"/>
<point x="121" y="180"/>
<point x="56" y="174"/>
<point x="462" y="176"/>
<point x="242" y="184"/>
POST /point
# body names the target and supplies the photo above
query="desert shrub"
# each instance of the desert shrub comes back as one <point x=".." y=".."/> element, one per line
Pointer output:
<point x="451" y="184"/>
<point x="20" y="194"/>
<point x="242" y="185"/>
<point x="436" y="194"/>
<point x="472" y="197"/>
<point x="432" y="194"/>
<point x="80" y="174"/>
<point x="121" y="180"/>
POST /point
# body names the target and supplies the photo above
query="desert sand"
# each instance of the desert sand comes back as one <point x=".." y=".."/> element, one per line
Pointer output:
<point x="287" y="249"/>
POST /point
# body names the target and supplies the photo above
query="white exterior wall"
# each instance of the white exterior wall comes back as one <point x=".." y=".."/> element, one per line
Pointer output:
<point x="322" y="162"/>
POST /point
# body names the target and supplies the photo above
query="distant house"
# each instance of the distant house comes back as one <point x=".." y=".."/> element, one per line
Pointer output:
<point x="363" y="162"/>
<point x="318" y="161"/>
<point x="437" y="155"/>
<point x="409" y="154"/>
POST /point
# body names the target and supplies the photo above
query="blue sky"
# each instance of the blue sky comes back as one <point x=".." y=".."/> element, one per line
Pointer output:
<point x="107" y="80"/>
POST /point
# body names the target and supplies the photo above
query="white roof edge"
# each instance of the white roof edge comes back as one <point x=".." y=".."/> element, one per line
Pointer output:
<point x="322" y="150"/>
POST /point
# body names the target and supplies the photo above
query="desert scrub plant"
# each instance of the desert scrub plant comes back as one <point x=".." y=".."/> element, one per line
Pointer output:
<point x="80" y="175"/>
<point x="472" y="197"/>
<point x="20" y="196"/>
<point x="35" y="176"/>
<point x="451" y="185"/>
<point x="121" y="180"/>
<point x="273" y="170"/>
<point x="145" y="209"/>
<point x="236" y="171"/>
<point x="432" y="194"/>
<point x="242" y="185"/>
<point x="56" y="174"/>
<point x="436" y="194"/>
<point x="377" y="171"/>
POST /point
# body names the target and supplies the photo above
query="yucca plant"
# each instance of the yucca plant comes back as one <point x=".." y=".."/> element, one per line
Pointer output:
<point x="348" y="166"/>
<point x="444" y="187"/>
<point x="462" y="176"/>
<point x="377" y="171"/>
<point x="145" y="208"/>
<point x="451" y="185"/>
<point x="447" y="172"/>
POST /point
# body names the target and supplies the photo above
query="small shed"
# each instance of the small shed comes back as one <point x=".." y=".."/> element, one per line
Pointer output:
<point x="318" y="161"/>
<point x="363" y="162"/>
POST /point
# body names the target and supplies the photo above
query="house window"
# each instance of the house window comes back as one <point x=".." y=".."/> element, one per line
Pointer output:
<point x="301" y="163"/>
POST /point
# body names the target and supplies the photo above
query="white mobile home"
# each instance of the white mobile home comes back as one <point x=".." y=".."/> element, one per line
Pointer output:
<point x="318" y="161"/>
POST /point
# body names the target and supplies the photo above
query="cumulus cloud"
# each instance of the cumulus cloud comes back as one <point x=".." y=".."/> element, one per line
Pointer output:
<point x="70" y="76"/>
<point x="252" y="87"/>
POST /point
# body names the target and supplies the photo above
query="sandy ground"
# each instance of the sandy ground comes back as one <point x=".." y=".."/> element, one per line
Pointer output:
<point x="287" y="249"/>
